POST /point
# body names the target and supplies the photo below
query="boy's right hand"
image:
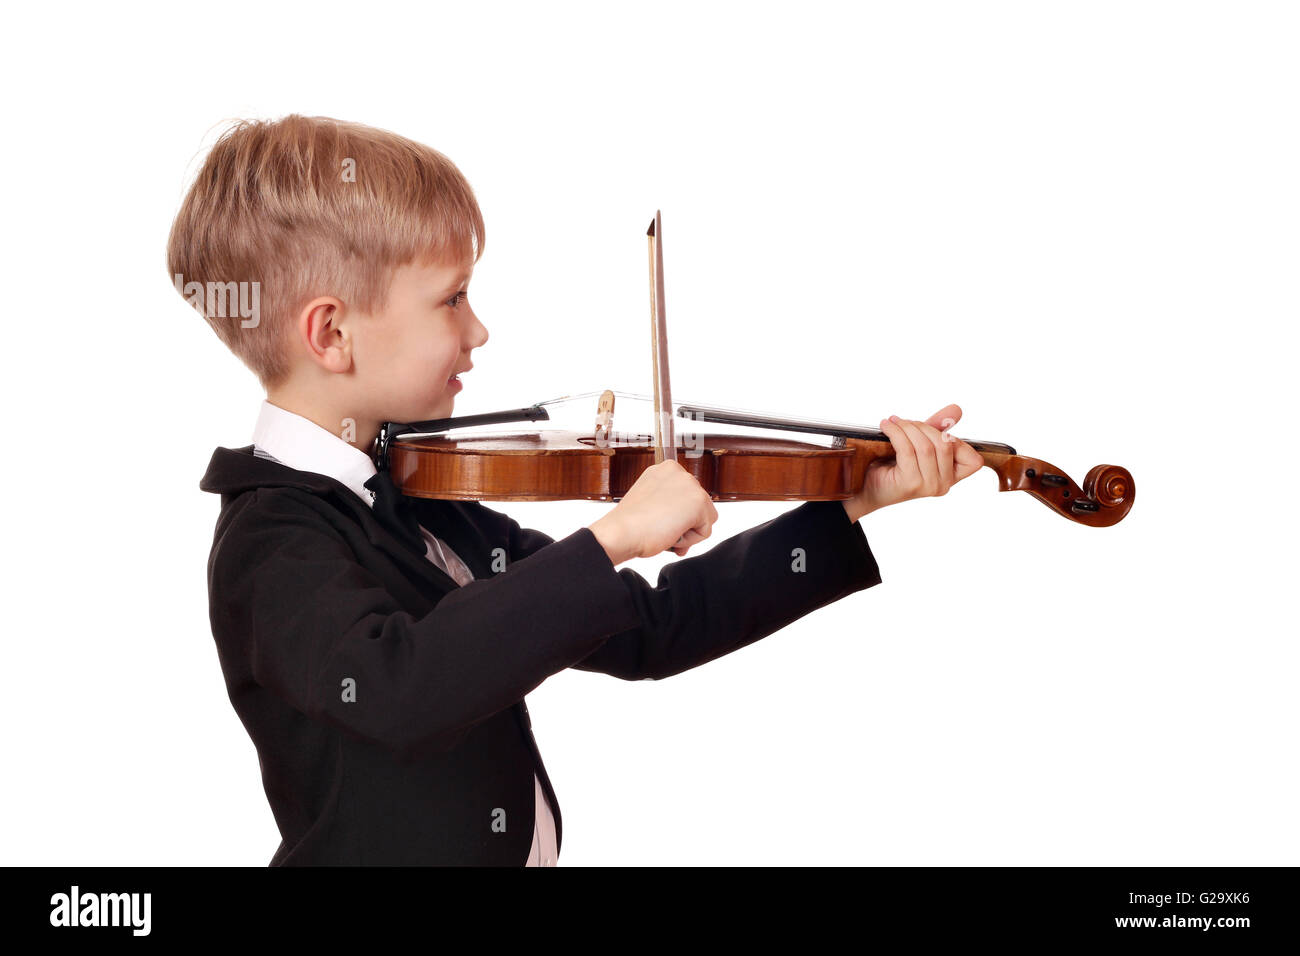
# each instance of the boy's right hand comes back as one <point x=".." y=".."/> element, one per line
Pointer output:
<point x="666" y="509"/>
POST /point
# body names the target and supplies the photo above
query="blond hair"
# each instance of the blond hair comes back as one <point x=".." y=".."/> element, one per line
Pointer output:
<point x="306" y="206"/>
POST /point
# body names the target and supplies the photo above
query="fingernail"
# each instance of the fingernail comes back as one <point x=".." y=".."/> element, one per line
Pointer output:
<point x="893" y="418"/>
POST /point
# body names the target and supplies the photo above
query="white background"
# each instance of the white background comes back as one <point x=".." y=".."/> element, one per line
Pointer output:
<point x="1078" y="221"/>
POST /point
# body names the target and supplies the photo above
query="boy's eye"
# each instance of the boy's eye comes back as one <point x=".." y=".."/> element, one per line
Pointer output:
<point x="458" y="298"/>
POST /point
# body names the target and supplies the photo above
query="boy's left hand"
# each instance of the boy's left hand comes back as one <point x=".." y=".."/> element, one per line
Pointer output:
<point x="927" y="462"/>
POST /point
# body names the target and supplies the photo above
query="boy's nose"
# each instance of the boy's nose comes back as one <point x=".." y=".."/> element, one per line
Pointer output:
<point x="480" y="335"/>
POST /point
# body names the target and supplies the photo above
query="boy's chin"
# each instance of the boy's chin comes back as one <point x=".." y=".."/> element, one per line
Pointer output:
<point x="445" y="408"/>
<point x="428" y="413"/>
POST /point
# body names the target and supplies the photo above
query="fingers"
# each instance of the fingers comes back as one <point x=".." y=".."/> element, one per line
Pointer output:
<point x="945" y="417"/>
<point x="904" y="453"/>
<point x="685" y="542"/>
<point x="966" y="460"/>
<point x="969" y="460"/>
<point x="711" y="508"/>
<point x="702" y="530"/>
<point x="943" y="449"/>
<point x="708" y="516"/>
<point x="710" y="513"/>
<point x="935" y="453"/>
<point x="927" y="459"/>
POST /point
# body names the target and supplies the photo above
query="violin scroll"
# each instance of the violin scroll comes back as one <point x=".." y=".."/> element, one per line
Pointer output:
<point x="1105" y="498"/>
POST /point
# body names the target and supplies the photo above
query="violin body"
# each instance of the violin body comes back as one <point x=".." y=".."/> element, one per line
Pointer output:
<point x="564" y="465"/>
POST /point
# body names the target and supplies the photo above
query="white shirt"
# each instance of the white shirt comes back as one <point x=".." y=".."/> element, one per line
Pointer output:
<point x="298" y="442"/>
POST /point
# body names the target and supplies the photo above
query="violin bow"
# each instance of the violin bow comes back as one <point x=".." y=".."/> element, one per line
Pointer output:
<point x="665" y="441"/>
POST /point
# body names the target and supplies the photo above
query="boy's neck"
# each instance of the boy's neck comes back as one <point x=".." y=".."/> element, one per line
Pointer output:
<point x="358" y="433"/>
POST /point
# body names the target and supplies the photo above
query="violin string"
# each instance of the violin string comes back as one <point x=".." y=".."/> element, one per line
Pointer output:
<point x="569" y="398"/>
<point x="721" y="408"/>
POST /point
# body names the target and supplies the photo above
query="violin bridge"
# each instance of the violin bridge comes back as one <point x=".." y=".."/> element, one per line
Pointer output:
<point x="604" y="418"/>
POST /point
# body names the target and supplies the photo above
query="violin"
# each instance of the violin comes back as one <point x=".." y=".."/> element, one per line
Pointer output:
<point x="601" y="464"/>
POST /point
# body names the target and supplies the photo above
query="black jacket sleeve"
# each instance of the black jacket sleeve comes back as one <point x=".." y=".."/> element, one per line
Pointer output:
<point x="309" y="617"/>
<point x="740" y="590"/>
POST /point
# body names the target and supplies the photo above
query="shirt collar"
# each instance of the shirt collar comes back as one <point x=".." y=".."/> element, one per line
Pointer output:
<point x="301" y="444"/>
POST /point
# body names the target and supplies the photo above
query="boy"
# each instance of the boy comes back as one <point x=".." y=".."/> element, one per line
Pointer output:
<point x="378" y="649"/>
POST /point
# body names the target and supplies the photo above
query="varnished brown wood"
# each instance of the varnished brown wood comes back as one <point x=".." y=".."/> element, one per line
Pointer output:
<point x="559" y="465"/>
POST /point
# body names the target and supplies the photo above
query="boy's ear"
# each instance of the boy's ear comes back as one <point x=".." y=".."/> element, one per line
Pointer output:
<point x="320" y="328"/>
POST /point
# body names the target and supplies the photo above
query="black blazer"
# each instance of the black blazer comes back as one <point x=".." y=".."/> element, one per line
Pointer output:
<point x="386" y="702"/>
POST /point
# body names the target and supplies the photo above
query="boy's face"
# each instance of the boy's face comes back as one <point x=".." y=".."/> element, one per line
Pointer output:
<point x="407" y="353"/>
